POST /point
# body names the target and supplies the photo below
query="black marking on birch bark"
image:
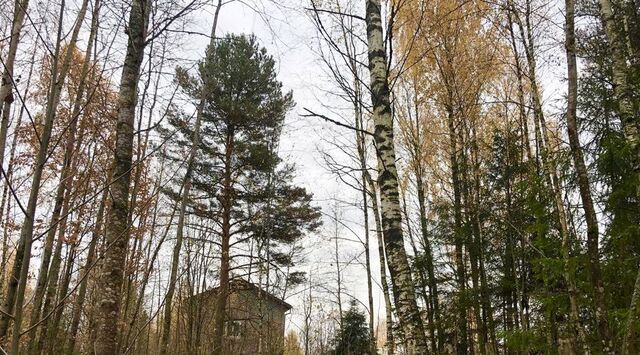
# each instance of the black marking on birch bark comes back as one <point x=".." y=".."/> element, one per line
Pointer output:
<point x="373" y="55"/>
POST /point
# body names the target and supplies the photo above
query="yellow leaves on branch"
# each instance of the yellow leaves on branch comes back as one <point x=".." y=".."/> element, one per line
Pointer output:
<point x="451" y="62"/>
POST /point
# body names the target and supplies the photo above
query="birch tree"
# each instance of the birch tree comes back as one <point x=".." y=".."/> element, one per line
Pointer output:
<point x="401" y="278"/>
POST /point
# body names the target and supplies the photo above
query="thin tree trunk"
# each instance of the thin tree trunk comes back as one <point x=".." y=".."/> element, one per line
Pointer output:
<point x="365" y="211"/>
<point x="77" y="107"/>
<point x="576" y="335"/>
<point x="117" y="229"/>
<point x="524" y="128"/>
<point x="509" y="272"/>
<point x="524" y="123"/>
<point x="420" y="276"/>
<point x="6" y="86"/>
<point x="43" y="275"/>
<point x="361" y="148"/>
<point x="52" y="281"/>
<point x="584" y="186"/>
<point x="65" y="175"/>
<point x="53" y="327"/>
<point x="184" y="200"/>
<point x="9" y="174"/>
<point x="470" y="242"/>
<point x="373" y="196"/>
<point x="400" y="272"/>
<point x="84" y="279"/>
<point x="419" y="171"/>
<point x="53" y="277"/>
<point x="483" y="302"/>
<point x="151" y="257"/>
<point x="336" y="255"/>
<point x="141" y="152"/>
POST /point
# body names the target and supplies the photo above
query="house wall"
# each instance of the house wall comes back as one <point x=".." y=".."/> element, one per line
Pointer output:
<point x="262" y="322"/>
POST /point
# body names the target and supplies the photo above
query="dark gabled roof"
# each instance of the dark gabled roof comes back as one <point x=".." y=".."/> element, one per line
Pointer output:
<point x="242" y="285"/>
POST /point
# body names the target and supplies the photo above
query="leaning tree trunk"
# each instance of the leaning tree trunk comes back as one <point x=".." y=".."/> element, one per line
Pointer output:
<point x="117" y="229"/>
<point x="8" y="177"/>
<point x="583" y="179"/>
<point x="6" y="86"/>
<point x="400" y="272"/>
<point x="184" y="200"/>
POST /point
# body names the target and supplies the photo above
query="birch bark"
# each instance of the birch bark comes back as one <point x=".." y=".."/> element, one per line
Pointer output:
<point x="391" y="213"/>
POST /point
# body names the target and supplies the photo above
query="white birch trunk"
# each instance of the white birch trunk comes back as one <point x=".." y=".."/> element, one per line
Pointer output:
<point x="400" y="272"/>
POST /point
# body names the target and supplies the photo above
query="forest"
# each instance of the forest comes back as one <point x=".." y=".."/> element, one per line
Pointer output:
<point x="375" y="177"/>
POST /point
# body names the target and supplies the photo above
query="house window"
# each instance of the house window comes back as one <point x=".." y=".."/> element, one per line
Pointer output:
<point x="234" y="328"/>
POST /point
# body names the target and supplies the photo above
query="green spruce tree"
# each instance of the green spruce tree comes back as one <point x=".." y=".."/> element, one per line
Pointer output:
<point x="353" y="336"/>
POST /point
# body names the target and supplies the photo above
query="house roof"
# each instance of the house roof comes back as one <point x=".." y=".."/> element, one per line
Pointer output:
<point x="243" y="285"/>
